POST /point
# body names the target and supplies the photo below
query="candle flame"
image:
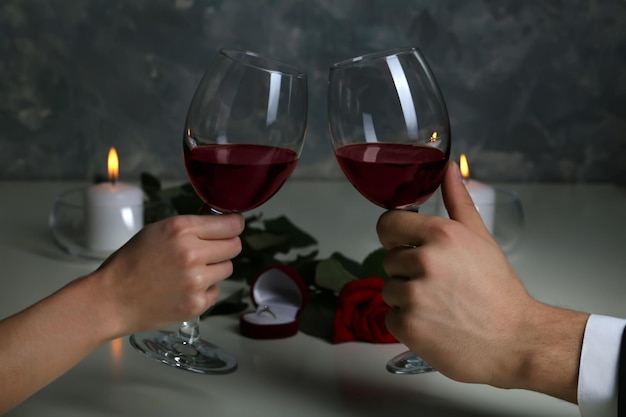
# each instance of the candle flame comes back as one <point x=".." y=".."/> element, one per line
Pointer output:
<point x="114" y="165"/>
<point x="464" y="167"/>
<point x="433" y="137"/>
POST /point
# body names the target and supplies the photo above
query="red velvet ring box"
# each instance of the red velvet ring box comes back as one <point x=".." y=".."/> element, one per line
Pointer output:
<point x="279" y="294"/>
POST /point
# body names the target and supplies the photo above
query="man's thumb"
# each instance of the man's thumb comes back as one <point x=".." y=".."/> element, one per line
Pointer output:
<point x="459" y="203"/>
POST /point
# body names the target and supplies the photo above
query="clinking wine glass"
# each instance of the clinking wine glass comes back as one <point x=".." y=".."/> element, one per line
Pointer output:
<point x="391" y="136"/>
<point x="243" y="135"/>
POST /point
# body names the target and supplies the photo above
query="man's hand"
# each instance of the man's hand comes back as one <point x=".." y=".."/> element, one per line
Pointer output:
<point x="458" y="303"/>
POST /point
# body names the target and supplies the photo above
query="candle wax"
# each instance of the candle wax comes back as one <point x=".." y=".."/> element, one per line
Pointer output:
<point x="113" y="214"/>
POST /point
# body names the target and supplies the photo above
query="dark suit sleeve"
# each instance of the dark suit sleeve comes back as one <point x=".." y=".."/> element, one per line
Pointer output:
<point x="621" y="381"/>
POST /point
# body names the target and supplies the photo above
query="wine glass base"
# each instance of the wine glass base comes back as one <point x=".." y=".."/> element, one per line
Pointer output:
<point x="408" y="364"/>
<point x="200" y="357"/>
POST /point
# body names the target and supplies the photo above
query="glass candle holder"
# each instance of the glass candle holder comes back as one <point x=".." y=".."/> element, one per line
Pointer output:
<point x="508" y="223"/>
<point x="69" y="216"/>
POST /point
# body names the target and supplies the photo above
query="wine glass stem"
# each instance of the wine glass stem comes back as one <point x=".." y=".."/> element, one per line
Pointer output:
<point x="189" y="331"/>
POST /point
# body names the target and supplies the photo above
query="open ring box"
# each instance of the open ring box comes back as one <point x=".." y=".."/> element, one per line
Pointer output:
<point x="279" y="294"/>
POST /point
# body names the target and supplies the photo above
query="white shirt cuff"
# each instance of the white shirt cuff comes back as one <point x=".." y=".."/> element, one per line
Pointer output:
<point x="599" y="358"/>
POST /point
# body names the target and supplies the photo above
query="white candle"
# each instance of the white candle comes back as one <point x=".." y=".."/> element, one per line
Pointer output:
<point x="113" y="211"/>
<point x="483" y="196"/>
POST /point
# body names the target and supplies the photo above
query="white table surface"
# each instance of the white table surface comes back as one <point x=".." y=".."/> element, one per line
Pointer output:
<point x="573" y="253"/>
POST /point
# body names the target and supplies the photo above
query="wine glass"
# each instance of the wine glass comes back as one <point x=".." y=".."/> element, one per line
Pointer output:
<point x="242" y="139"/>
<point x="391" y="136"/>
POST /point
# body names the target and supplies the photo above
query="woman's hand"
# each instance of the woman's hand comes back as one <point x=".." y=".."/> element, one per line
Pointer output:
<point x="167" y="272"/>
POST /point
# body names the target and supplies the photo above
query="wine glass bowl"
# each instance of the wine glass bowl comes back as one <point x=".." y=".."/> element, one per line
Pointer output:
<point x="390" y="132"/>
<point x="389" y="126"/>
<point x="244" y="131"/>
<point x="243" y="135"/>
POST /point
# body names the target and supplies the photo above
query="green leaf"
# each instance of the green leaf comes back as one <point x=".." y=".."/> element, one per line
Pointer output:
<point x="303" y="259"/>
<point x="306" y="268"/>
<point x="186" y="203"/>
<point x="349" y="265"/>
<point x="283" y="226"/>
<point x="278" y="236"/>
<point x="187" y="188"/>
<point x="331" y="274"/>
<point x="151" y="186"/>
<point x="373" y="264"/>
<point x="317" y="318"/>
<point x="249" y="264"/>
<point x="265" y="240"/>
<point x="156" y="210"/>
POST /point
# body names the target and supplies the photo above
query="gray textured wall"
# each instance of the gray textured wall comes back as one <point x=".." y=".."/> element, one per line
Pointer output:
<point x="536" y="89"/>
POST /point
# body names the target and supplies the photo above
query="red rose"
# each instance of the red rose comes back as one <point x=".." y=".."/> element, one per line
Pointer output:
<point x="361" y="313"/>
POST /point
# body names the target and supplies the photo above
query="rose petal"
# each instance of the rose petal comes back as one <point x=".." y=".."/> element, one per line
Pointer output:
<point x="361" y="313"/>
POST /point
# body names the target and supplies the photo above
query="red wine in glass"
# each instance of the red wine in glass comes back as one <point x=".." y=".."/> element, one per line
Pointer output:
<point x="393" y="175"/>
<point x="237" y="177"/>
